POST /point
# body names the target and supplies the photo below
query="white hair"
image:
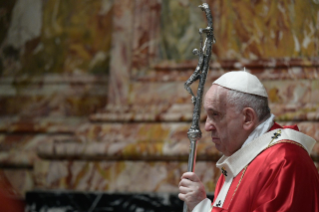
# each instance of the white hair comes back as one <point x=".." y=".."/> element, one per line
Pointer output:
<point x="241" y="100"/>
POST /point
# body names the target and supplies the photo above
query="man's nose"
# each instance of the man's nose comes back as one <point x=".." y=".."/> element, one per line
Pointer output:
<point x="209" y="125"/>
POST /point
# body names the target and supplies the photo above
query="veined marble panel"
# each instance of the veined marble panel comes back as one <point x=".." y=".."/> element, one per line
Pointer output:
<point x="267" y="69"/>
<point x="289" y="99"/>
<point x="53" y="95"/>
<point x="253" y="30"/>
<point x="146" y="26"/>
<point x="120" y="65"/>
<point x="120" y="176"/>
<point x="20" y="124"/>
<point x="263" y="29"/>
<point x="144" y="141"/>
<point x="243" y="29"/>
<point x="57" y="37"/>
<point x="20" y="151"/>
<point x="16" y="182"/>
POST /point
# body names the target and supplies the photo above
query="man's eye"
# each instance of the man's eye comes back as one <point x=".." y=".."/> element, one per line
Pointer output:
<point x="213" y="115"/>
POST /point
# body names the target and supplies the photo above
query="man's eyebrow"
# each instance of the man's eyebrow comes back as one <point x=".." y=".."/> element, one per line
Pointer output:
<point x="212" y="110"/>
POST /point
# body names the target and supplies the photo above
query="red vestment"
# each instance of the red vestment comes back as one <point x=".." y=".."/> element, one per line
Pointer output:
<point x="281" y="178"/>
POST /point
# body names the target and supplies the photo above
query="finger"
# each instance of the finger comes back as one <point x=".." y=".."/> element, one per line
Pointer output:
<point x="184" y="190"/>
<point x="191" y="176"/>
<point x="185" y="183"/>
<point x="181" y="196"/>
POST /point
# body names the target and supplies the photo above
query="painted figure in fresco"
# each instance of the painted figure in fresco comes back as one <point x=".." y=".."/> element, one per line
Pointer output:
<point x="265" y="167"/>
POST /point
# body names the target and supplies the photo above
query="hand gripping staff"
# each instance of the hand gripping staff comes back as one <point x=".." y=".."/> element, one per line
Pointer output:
<point x="194" y="133"/>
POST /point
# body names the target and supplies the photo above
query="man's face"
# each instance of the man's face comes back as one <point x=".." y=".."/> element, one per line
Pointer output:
<point x="223" y="121"/>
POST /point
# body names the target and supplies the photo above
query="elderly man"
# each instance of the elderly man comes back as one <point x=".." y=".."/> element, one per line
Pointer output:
<point x="264" y="167"/>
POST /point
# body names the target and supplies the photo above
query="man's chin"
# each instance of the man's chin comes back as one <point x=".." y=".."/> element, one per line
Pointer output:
<point x="221" y="150"/>
<point x="218" y="147"/>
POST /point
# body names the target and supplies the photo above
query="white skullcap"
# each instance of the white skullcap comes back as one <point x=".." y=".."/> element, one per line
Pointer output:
<point x="242" y="81"/>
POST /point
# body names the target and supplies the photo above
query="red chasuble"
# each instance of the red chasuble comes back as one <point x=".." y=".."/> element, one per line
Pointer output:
<point x="281" y="178"/>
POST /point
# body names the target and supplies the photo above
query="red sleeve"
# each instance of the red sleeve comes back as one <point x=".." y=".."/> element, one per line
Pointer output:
<point x="292" y="183"/>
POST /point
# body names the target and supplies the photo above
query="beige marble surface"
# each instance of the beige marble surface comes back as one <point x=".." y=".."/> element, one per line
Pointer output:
<point x="120" y="176"/>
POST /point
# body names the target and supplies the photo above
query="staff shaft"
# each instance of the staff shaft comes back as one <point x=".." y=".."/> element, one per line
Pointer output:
<point x="194" y="133"/>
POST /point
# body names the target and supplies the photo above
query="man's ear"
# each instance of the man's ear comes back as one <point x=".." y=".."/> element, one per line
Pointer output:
<point x="250" y="119"/>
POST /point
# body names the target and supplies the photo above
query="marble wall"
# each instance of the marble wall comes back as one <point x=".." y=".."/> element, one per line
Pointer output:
<point x="54" y="68"/>
<point x="92" y="95"/>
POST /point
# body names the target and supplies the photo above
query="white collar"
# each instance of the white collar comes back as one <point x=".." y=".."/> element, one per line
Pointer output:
<point x="236" y="162"/>
<point x="260" y="129"/>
